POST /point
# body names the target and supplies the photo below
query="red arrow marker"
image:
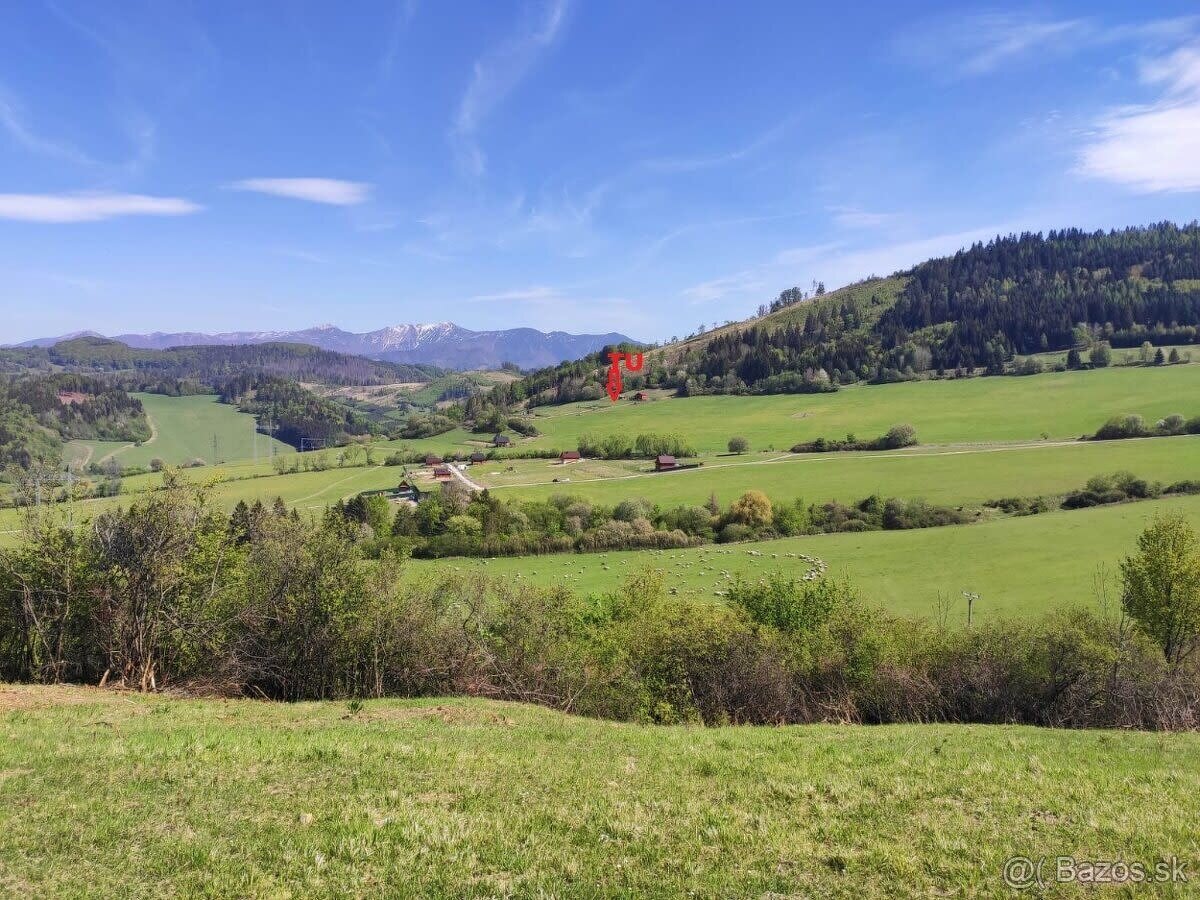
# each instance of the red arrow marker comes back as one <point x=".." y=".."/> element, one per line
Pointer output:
<point x="614" y="386"/>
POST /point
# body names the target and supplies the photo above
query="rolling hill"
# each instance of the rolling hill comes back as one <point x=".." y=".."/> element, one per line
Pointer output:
<point x="980" y="310"/>
<point x="441" y="344"/>
<point x="209" y="364"/>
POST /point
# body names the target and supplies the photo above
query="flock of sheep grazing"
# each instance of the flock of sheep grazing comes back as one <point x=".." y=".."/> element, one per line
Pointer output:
<point x="814" y="567"/>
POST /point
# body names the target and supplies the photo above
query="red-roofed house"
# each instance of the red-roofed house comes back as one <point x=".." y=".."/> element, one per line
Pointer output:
<point x="665" y="463"/>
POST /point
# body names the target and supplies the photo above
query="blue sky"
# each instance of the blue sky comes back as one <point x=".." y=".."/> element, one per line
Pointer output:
<point x="569" y="164"/>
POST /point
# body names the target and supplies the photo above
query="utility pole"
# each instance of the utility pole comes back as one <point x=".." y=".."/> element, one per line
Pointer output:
<point x="971" y="597"/>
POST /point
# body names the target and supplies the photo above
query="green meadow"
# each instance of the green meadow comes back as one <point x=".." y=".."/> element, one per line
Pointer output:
<point x="940" y="475"/>
<point x="1060" y="405"/>
<point x="139" y="796"/>
<point x="310" y="491"/>
<point x="1020" y="566"/>
<point x="188" y="428"/>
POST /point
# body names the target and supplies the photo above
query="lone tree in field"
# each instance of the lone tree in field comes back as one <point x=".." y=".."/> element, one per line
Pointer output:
<point x="738" y="445"/>
<point x="1161" y="585"/>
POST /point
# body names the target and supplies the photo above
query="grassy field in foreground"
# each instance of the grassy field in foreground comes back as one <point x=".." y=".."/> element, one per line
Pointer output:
<point x="940" y="475"/>
<point x="106" y="795"/>
<point x="1061" y="405"/>
<point x="1020" y="566"/>
<point x="186" y="428"/>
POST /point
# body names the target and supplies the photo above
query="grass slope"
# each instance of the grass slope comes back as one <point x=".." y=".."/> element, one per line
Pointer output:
<point x="1021" y="566"/>
<point x="1059" y="404"/>
<point x="186" y="427"/>
<point x="955" y="475"/>
<point x="134" y="796"/>
<point x="886" y="290"/>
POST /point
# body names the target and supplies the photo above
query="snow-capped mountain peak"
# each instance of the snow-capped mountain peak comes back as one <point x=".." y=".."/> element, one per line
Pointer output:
<point x="436" y="343"/>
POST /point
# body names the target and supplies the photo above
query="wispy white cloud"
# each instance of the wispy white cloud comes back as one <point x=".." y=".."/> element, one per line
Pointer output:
<point x="137" y="128"/>
<point x="496" y="74"/>
<point x="853" y="217"/>
<point x="402" y="13"/>
<point x="58" y="208"/>
<point x="15" y="121"/>
<point x="835" y="262"/>
<point x="1156" y="147"/>
<point x="568" y="308"/>
<point x="331" y="191"/>
<point x="302" y="255"/>
<point x="983" y="43"/>
<point x="838" y="264"/>
<point x="699" y="162"/>
<point x="535" y="294"/>
<point x="739" y="284"/>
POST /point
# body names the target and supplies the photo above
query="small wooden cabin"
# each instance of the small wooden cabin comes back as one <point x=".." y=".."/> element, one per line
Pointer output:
<point x="665" y="463"/>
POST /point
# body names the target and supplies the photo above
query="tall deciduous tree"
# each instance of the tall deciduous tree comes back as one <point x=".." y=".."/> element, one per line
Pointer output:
<point x="1162" y="585"/>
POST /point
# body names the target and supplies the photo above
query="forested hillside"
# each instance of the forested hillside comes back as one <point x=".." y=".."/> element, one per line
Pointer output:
<point x="81" y="407"/>
<point x="40" y="412"/>
<point x="973" y="312"/>
<point x="291" y="413"/>
<point x="1032" y="293"/>
<point x="209" y="364"/>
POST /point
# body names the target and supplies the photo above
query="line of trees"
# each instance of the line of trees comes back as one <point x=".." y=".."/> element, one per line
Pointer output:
<point x="169" y="593"/>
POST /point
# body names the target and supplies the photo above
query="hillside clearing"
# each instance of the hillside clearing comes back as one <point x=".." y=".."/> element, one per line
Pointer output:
<point x="193" y="427"/>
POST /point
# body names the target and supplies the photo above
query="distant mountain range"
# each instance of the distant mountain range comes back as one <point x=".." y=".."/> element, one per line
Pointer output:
<point x="440" y="344"/>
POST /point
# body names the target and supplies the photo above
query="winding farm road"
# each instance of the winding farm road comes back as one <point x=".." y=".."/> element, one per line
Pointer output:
<point x="932" y="450"/>
<point x="457" y="473"/>
<point x="150" y="440"/>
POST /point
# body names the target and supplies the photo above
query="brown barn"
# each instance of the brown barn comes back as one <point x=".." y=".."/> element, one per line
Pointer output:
<point x="432" y="459"/>
<point x="501" y="440"/>
<point x="477" y="457"/>
<point x="665" y="463"/>
<point x="568" y="456"/>
<point x="442" y="473"/>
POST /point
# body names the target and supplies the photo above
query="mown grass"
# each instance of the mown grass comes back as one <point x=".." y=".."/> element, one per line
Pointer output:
<point x="107" y="795"/>
<point x="954" y="475"/>
<point x="1020" y="566"/>
<point x="1061" y="405"/>
<point x="187" y="427"/>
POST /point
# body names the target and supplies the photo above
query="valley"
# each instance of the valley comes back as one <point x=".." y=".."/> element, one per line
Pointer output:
<point x="981" y="439"/>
